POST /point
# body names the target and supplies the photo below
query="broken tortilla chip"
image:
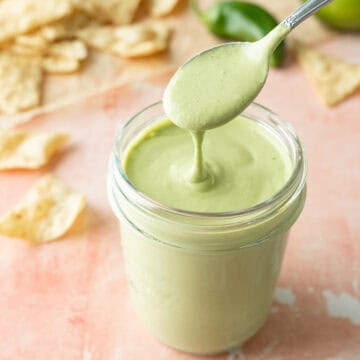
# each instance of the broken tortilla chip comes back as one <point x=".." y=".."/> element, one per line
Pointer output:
<point x="160" y="7"/>
<point x="334" y="80"/>
<point x="66" y="28"/>
<point x="27" y="51"/>
<point x="34" y="41"/>
<point x="61" y="57"/>
<point x="114" y="11"/>
<point x="64" y="57"/>
<point x="21" y="80"/>
<point x="98" y="36"/>
<point x="21" y="16"/>
<point x="46" y="213"/>
<point x="30" y="45"/>
<point x="23" y="150"/>
<point x="130" y="41"/>
<point x="72" y="49"/>
<point x="60" y="65"/>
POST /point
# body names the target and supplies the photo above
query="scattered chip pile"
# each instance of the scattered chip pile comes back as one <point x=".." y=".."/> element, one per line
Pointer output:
<point x="49" y="209"/>
<point x="40" y="37"/>
<point x="55" y="37"/>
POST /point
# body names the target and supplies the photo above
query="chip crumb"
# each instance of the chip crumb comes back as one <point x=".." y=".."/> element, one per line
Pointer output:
<point x="24" y="150"/>
<point x="334" y="79"/>
<point x="46" y="213"/>
<point x="21" y="80"/>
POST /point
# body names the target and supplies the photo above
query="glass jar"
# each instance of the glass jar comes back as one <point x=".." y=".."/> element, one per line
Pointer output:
<point x="204" y="282"/>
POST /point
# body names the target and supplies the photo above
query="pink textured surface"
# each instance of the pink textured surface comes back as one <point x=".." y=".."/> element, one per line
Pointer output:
<point x="69" y="299"/>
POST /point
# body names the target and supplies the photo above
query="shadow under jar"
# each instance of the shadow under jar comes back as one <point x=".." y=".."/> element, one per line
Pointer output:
<point x="204" y="282"/>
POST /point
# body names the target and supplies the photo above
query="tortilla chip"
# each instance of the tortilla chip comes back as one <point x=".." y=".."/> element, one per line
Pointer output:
<point x="20" y="80"/>
<point x="56" y="54"/>
<point x="334" y="80"/>
<point x="117" y="12"/>
<point x="72" y="49"/>
<point x="23" y="150"/>
<point x="22" y="50"/>
<point x="21" y="16"/>
<point x="46" y="213"/>
<point x="35" y="41"/>
<point x="130" y="41"/>
<point x="62" y="29"/>
<point x="160" y="7"/>
<point x="141" y="39"/>
<point x="66" y="28"/>
<point x="60" y="65"/>
<point x="33" y="45"/>
<point x="98" y="36"/>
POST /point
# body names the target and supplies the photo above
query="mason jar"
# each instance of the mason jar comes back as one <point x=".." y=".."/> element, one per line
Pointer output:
<point x="204" y="282"/>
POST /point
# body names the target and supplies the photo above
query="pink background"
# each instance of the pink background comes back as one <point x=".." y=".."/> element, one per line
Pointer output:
<point x="69" y="299"/>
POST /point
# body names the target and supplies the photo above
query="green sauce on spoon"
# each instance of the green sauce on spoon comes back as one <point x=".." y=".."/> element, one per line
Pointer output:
<point x="219" y="83"/>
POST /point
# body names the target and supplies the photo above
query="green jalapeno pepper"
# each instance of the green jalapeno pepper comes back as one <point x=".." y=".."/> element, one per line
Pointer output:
<point x="240" y="21"/>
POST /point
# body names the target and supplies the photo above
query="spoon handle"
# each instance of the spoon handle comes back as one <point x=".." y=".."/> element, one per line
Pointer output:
<point x="303" y="12"/>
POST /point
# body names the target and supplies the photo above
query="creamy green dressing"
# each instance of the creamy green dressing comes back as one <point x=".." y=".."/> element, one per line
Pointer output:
<point x="244" y="164"/>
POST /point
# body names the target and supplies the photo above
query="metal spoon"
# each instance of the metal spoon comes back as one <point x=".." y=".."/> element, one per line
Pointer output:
<point x="218" y="84"/>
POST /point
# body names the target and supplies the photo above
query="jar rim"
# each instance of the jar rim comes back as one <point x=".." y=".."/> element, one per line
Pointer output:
<point x="291" y="188"/>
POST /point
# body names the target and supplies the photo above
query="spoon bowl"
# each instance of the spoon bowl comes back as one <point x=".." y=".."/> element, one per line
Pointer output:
<point x="215" y="78"/>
